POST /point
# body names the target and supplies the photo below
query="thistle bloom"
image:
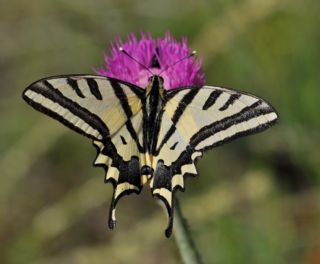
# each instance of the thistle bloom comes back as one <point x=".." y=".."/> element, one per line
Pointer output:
<point x="158" y="55"/>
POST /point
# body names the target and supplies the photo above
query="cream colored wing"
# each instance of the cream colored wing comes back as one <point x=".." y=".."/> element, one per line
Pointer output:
<point x="105" y="110"/>
<point x="197" y="119"/>
<point x="91" y="105"/>
<point x="122" y="158"/>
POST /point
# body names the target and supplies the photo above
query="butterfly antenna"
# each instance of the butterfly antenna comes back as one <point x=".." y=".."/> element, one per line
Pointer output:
<point x="193" y="53"/>
<point x="142" y="65"/>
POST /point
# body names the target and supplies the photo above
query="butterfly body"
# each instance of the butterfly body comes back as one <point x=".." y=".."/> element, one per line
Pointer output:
<point x="149" y="135"/>
<point x="152" y="107"/>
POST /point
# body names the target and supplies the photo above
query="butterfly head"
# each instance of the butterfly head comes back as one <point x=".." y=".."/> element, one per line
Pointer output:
<point x="155" y="84"/>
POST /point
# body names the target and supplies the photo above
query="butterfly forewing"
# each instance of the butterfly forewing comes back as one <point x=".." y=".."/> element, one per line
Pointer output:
<point x="84" y="102"/>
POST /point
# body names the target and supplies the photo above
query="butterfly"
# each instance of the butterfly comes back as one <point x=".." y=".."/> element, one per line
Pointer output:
<point x="151" y="135"/>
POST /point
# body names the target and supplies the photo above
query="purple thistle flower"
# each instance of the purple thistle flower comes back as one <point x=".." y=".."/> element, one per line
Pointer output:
<point x="157" y="55"/>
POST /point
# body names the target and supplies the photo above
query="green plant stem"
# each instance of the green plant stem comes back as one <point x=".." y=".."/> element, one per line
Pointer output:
<point x="187" y="248"/>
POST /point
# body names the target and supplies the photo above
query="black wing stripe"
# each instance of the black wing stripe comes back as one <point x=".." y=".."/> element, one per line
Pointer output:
<point x="57" y="117"/>
<point x="139" y="92"/>
<point x="124" y="142"/>
<point x="74" y="85"/>
<point x="245" y="114"/>
<point x="48" y="91"/>
<point x="211" y="99"/>
<point x="121" y="95"/>
<point x="185" y="101"/>
<point x="174" y="145"/>
<point x="185" y="157"/>
<point x="136" y="90"/>
<point x="230" y="102"/>
<point x="94" y="88"/>
<point x="134" y="135"/>
<point x="250" y="131"/>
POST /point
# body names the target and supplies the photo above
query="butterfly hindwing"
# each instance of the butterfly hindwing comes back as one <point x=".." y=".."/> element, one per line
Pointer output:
<point x="195" y="120"/>
<point x="105" y="110"/>
<point x="123" y="168"/>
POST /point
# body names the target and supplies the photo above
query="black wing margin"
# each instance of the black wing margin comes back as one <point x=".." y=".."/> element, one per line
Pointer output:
<point x="44" y="97"/>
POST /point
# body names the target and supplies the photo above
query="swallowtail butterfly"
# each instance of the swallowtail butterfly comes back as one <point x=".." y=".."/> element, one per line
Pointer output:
<point x="150" y="135"/>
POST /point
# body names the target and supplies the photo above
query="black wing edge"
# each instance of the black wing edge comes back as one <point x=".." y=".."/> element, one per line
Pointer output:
<point x="165" y="181"/>
<point x="114" y="183"/>
<point x="170" y="93"/>
<point x="170" y="212"/>
<point x="42" y="86"/>
<point x="45" y="89"/>
<point x="139" y="91"/>
<point x="170" y="209"/>
<point x="186" y="155"/>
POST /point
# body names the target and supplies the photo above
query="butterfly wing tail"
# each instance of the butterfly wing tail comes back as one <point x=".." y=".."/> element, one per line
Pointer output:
<point x="124" y="175"/>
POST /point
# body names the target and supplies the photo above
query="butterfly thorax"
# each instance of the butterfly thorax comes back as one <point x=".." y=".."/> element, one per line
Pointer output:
<point x="153" y="109"/>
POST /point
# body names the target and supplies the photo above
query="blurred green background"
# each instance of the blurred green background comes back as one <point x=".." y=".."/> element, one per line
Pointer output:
<point x="257" y="199"/>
